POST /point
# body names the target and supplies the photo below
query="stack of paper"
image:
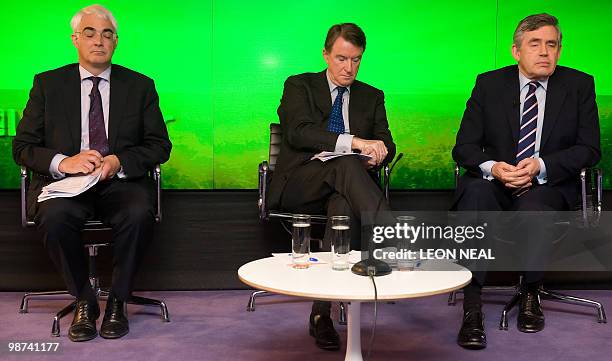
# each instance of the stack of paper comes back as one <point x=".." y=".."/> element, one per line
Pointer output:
<point x="69" y="186"/>
<point x="325" y="156"/>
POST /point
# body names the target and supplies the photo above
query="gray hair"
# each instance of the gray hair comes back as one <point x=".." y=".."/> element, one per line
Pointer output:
<point x="97" y="10"/>
<point x="534" y="22"/>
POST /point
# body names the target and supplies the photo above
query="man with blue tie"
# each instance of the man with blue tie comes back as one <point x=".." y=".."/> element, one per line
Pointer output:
<point x="527" y="131"/>
<point x="88" y="118"/>
<point x="331" y="111"/>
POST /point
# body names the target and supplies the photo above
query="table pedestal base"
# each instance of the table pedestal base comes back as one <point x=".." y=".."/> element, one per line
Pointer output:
<point x="353" y="331"/>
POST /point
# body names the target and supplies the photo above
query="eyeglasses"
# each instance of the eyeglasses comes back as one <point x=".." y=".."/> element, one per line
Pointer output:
<point x="89" y="33"/>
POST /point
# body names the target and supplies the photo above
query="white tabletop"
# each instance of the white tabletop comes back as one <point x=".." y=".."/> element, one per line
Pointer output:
<point x="322" y="283"/>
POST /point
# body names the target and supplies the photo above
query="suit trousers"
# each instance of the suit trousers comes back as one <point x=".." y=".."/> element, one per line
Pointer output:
<point x="484" y="195"/>
<point x="127" y="206"/>
<point x="340" y="186"/>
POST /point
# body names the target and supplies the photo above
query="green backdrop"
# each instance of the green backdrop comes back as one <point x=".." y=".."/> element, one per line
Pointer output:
<point x="219" y="68"/>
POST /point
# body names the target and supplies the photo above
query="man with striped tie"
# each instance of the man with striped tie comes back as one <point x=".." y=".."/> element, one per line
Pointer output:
<point x="331" y="111"/>
<point x="526" y="132"/>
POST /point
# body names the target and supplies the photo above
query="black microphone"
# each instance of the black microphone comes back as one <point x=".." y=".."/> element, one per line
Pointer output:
<point x="372" y="266"/>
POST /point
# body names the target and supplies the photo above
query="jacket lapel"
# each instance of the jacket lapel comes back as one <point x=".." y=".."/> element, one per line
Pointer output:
<point x="72" y="101"/>
<point x="321" y="95"/>
<point x="555" y="94"/>
<point x="118" y="100"/>
<point x="512" y="101"/>
<point x="355" y="100"/>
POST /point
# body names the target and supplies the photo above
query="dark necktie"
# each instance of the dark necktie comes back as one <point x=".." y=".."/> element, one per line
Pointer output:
<point x="336" y="121"/>
<point x="529" y="125"/>
<point x="97" y="131"/>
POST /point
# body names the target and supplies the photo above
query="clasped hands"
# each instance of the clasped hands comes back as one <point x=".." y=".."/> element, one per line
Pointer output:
<point x="374" y="148"/>
<point x="519" y="176"/>
<point x="90" y="162"/>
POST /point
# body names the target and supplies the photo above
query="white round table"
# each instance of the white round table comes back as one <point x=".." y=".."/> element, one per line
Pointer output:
<point x="320" y="282"/>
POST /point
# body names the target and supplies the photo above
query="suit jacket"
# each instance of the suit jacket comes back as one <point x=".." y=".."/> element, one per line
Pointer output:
<point x="570" y="134"/>
<point x="304" y="114"/>
<point x="51" y="123"/>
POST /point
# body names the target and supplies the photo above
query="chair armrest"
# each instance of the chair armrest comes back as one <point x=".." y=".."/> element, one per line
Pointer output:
<point x="262" y="188"/>
<point x="157" y="179"/>
<point x="24" y="184"/>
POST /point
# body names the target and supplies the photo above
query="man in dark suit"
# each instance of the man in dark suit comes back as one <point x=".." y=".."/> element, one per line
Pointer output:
<point x="90" y="118"/>
<point x="331" y="111"/>
<point x="526" y="132"/>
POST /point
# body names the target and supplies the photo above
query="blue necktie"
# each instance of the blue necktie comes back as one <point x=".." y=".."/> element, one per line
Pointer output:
<point x="97" y="131"/>
<point x="529" y="125"/>
<point x="336" y="121"/>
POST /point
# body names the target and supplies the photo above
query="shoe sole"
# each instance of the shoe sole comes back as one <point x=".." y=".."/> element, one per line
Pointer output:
<point x="530" y="330"/>
<point x="113" y="336"/>
<point x="82" y="339"/>
<point x="472" y="345"/>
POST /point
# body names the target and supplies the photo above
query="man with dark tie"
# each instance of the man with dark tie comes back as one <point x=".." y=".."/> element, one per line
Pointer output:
<point x="88" y="118"/>
<point x="527" y="131"/>
<point x="331" y="111"/>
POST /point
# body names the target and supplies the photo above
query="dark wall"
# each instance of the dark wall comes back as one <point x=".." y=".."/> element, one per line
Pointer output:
<point x="204" y="238"/>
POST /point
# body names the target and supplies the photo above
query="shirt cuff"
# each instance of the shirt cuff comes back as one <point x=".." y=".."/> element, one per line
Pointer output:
<point x="54" y="166"/>
<point x="485" y="168"/>
<point x="542" y="176"/>
<point x="343" y="143"/>
<point x="121" y="174"/>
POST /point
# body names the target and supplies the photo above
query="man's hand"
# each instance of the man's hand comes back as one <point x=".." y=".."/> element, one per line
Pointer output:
<point x="511" y="176"/>
<point x="84" y="162"/>
<point x="374" y="148"/>
<point x="110" y="167"/>
<point x="531" y="165"/>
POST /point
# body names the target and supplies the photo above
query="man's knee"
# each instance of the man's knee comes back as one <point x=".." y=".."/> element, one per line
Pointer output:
<point x="139" y="213"/>
<point x="348" y="164"/>
<point x="479" y="194"/>
<point x="57" y="215"/>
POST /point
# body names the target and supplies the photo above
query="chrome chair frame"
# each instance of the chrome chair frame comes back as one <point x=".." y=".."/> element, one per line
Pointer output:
<point x="92" y="250"/>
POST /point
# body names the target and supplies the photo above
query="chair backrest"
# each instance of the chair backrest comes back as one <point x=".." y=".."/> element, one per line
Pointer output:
<point x="155" y="174"/>
<point x="276" y="138"/>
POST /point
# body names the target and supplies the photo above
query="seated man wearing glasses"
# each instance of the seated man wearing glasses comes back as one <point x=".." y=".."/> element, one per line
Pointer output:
<point x="81" y="119"/>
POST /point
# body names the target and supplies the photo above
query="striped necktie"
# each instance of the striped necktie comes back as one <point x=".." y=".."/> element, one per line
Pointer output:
<point x="528" y="131"/>
<point x="336" y="121"/>
<point x="529" y="125"/>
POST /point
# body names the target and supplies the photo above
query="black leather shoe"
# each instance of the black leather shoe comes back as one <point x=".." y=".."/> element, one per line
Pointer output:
<point x="472" y="334"/>
<point x="83" y="327"/>
<point x="322" y="329"/>
<point x="531" y="317"/>
<point x="115" y="323"/>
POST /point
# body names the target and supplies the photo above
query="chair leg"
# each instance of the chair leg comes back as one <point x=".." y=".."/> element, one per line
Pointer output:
<point x="452" y="298"/>
<point x="255" y="294"/>
<point x="137" y="300"/>
<point x="555" y="296"/>
<point x="23" y="308"/>
<point x="503" y="323"/>
<point x="342" y="314"/>
<point x="55" y="329"/>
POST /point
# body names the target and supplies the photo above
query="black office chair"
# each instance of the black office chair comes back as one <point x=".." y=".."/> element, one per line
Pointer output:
<point x="266" y="168"/>
<point x="590" y="206"/>
<point x="92" y="248"/>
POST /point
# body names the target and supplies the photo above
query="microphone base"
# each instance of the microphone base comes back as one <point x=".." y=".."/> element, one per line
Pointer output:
<point x="361" y="268"/>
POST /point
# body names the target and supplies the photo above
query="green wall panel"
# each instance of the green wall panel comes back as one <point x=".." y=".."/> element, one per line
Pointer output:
<point x="219" y="67"/>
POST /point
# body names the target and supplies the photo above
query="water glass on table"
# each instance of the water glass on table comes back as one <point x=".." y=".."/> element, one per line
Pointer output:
<point x="341" y="242"/>
<point x="300" y="241"/>
<point x="405" y="263"/>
